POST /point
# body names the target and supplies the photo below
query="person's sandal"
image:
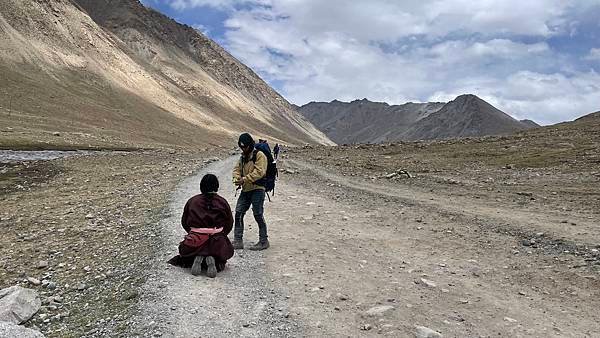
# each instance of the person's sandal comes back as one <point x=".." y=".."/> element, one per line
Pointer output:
<point x="211" y="271"/>
<point x="197" y="266"/>
<point x="238" y="244"/>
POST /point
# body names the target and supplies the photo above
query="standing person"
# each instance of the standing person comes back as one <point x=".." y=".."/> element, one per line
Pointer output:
<point x="207" y="220"/>
<point x="251" y="167"/>
<point x="276" y="151"/>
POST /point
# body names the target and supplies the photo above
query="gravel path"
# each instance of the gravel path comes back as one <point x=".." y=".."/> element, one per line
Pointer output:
<point x="241" y="301"/>
<point x="351" y="257"/>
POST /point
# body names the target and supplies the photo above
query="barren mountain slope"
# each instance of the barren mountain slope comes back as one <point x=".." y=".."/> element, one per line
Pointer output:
<point x="63" y="73"/>
<point x="363" y="121"/>
<point x="530" y="123"/>
<point x="593" y="117"/>
<point x="466" y="116"/>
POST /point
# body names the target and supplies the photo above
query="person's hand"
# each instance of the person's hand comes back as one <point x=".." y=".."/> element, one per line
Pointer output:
<point x="239" y="181"/>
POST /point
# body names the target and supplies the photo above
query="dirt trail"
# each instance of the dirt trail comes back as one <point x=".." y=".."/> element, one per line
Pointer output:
<point x="548" y="221"/>
<point x="351" y="258"/>
<point x="240" y="302"/>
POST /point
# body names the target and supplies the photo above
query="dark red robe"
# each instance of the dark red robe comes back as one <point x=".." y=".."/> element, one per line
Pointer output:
<point x="202" y="211"/>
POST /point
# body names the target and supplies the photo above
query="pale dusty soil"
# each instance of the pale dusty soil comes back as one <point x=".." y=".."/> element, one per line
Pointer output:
<point x="341" y="245"/>
<point x="509" y="252"/>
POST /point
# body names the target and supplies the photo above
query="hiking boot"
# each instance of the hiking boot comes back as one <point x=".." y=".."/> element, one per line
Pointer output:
<point x="197" y="266"/>
<point x="238" y="244"/>
<point x="211" y="270"/>
<point x="260" y="246"/>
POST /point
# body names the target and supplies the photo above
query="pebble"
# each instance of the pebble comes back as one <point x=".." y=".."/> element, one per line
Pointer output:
<point x="33" y="281"/>
<point x="425" y="332"/>
<point x="81" y="286"/>
<point x="379" y="310"/>
<point x="429" y="283"/>
<point x="510" y="320"/>
<point x="42" y="264"/>
<point x="342" y="297"/>
<point x="527" y="242"/>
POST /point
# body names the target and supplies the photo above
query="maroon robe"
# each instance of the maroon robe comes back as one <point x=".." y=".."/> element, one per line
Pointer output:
<point x="202" y="211"/>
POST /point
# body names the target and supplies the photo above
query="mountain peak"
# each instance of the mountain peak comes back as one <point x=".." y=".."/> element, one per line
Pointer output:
<point x="359" y="122"/>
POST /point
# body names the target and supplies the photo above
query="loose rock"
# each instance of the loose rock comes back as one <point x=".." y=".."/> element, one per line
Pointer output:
<point x="8" y="329"/>
<point x="34" y="281"/>
<point x="425" y="332"/>
<point x="379" y="310"/>
<point x="429" y="283"/>
<point x="18" y="304"/>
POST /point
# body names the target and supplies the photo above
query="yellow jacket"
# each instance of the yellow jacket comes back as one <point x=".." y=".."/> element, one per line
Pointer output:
<point x="250" y="171"/>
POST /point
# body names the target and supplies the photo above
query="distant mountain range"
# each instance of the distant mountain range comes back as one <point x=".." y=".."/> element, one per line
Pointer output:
<point x="116" y="73"/>
<point x="363" y="121"/>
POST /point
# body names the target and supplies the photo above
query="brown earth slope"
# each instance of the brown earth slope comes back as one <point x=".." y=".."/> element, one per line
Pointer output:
<point x="66" y="81"/>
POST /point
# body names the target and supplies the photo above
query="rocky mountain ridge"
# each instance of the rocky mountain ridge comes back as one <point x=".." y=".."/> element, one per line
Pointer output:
<point x="363" y="121"/>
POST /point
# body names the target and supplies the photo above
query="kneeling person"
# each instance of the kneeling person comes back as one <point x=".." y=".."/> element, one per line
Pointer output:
<point x="207" y="219"/>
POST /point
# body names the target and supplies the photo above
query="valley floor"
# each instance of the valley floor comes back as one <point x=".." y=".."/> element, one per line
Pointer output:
<point x="353" y="252"/>
<point x="352" y="256"/>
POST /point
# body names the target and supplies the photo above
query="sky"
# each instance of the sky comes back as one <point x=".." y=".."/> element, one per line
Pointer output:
<point x="534" y="59"/>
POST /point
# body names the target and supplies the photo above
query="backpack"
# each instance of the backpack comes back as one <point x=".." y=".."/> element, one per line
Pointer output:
<point x="269" y="180"/>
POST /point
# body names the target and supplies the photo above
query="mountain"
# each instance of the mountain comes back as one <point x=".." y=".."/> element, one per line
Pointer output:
<point x="113" y="73"/>
<point x="363" y="121"/>
<point x="530" y="123"/>
<point x="592" y="117"/>
<point x="467" y="115"/>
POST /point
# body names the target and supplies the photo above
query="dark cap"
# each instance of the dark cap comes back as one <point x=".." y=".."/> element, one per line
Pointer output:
<point x="245" y="140"/>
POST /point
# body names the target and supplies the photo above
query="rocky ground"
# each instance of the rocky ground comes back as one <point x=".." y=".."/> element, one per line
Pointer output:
<point x="487" y="237"/>
<point x="468" y="238"/>
<point x="80" y="231"/>
<point x="475" y="243"/>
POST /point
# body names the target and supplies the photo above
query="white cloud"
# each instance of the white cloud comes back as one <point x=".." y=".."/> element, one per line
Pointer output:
<point x="201" y="28"/>
<point x="545" y="98"/>
<point x="417" y="50"/>
<point x="594" y="55"/>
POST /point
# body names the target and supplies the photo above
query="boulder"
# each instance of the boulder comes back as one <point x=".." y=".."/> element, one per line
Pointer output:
<point x="18" y="304"/>
<point x="8" y="329"/>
